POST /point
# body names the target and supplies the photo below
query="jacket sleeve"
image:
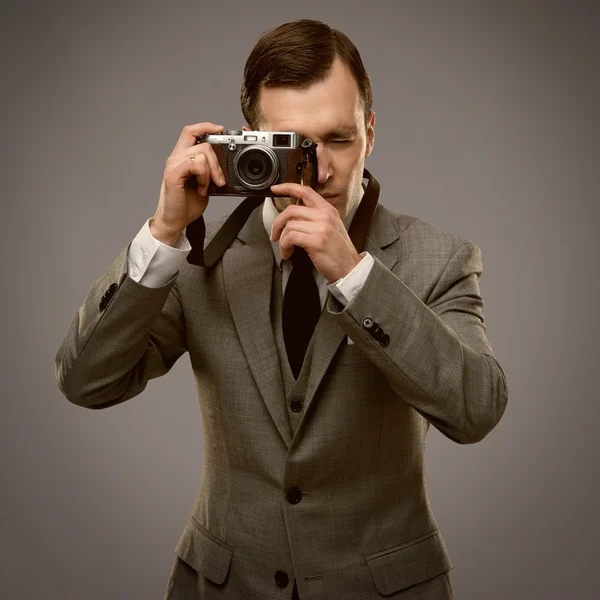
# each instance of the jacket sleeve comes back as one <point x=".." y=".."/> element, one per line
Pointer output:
<point x="122" y="336"/>
<point x="438" y="358"/>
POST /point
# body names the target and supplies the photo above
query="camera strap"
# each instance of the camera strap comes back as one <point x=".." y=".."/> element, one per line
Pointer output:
<point x="209" y="257"/>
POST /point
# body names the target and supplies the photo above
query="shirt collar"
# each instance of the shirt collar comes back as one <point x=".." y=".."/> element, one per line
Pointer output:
<point x="270" y="214"/>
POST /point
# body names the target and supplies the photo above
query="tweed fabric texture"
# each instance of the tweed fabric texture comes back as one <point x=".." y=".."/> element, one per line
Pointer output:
<point x="364" y="528"/>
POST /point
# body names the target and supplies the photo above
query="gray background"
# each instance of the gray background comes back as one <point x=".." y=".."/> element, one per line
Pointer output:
<point x="487" y="126"/>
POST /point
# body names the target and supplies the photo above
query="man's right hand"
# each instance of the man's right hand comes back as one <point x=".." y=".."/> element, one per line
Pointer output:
<point x="180" y="204"/>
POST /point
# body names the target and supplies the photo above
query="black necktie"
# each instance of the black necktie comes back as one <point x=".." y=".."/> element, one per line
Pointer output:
<point x="301" y="309"/>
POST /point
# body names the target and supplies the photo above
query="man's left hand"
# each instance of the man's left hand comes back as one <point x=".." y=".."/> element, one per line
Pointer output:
<point x="318" y="228"/>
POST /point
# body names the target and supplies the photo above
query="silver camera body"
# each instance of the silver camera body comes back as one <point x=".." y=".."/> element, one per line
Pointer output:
<point x="253" y="161"/>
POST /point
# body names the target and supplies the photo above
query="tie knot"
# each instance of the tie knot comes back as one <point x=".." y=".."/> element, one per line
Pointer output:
<point x="300" y="258"/>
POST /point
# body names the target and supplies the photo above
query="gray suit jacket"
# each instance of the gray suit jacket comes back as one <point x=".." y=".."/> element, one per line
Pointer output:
<point x="361" y="526"/>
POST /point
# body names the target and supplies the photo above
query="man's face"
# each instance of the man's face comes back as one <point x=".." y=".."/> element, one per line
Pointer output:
<point x="329" y="113"/>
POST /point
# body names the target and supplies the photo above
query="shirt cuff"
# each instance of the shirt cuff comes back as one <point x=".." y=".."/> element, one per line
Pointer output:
<point x="152" y="263"/>
<point x="347" y="287"/>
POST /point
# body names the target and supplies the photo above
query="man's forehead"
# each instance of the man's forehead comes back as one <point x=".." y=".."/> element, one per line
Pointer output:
<point x="311" y="112"/>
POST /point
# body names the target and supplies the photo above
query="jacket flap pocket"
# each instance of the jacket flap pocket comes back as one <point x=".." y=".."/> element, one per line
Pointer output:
<point x="204" y="552"/>
<point x="399" y="567"/>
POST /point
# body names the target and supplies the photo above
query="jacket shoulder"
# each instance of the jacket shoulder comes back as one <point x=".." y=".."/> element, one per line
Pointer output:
<point x="420" y="232"/>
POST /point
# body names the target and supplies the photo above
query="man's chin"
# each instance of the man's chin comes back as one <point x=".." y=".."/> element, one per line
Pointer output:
<point x="336" y="201"/>
<point x="282" y="202"/>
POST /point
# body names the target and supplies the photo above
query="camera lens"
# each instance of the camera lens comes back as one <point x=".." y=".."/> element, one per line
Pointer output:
<point x="256" y="167"/>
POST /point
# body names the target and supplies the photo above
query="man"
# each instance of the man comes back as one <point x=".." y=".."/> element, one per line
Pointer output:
<point x="313" y="479"/>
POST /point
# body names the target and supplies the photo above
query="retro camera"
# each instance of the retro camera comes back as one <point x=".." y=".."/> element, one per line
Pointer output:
<point x="253" y="161"/>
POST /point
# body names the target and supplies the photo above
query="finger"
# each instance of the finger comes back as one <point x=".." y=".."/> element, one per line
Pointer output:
<point x="180" y="172"/>
<point x="190" y="133"/>
<point x="201" y="168"/>
<point x="205" y="149"/>
<point x="303" y="192"/>
<point x="216" y="172"/>
<point x="292" y="212"/>
<point x="200" y="153"/>
<point x="298" y="233"/>
<point x="293" y="238"/>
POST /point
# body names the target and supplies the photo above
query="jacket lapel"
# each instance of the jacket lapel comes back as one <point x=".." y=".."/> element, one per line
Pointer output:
<point x="248" y="278"/>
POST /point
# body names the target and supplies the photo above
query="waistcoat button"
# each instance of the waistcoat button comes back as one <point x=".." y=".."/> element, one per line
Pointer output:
<point x="294" y="495"/>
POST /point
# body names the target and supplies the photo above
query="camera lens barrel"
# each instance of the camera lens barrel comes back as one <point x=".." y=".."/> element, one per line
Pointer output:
<point x="257" y="167"/>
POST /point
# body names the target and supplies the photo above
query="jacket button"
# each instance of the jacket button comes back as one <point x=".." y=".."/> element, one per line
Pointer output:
<point x="281" y="579"/>
<point x="296" y="405"/>
<point x="367" y="323"/>
<point x="385" y="339"/>
<point x="378" y="333"/>
<point x="294" y="495"/>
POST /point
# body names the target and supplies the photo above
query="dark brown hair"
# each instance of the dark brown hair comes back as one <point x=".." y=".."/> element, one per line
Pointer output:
<point x="299" y="54"/>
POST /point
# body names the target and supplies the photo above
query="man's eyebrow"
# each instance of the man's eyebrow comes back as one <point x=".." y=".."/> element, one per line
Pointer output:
<point x="338" y="132"/>
<point x="341" y="132"/>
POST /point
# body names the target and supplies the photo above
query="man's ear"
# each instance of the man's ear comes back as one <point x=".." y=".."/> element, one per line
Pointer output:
<point x="370" y="133"/>
<point x="246" y="128"/>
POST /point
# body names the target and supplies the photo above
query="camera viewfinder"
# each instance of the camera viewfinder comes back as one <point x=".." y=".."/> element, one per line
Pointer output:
<point x="281" y="141"/>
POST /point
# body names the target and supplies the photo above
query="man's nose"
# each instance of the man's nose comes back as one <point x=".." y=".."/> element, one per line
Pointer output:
<point x="324" y="164"/>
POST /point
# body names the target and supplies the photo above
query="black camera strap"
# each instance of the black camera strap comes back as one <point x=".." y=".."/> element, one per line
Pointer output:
<point x="208" y="258"/>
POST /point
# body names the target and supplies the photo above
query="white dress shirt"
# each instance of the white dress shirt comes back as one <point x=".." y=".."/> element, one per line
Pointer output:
<point x="152" y="263"/>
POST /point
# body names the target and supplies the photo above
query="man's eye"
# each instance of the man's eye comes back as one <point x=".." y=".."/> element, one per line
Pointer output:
<point x="340" y="141"/>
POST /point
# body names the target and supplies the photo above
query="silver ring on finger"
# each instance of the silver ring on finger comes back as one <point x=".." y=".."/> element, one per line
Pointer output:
<point x="193" y="157"/>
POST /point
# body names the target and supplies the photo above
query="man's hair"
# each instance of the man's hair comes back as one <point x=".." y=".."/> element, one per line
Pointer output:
<point x="299" y="54"/>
